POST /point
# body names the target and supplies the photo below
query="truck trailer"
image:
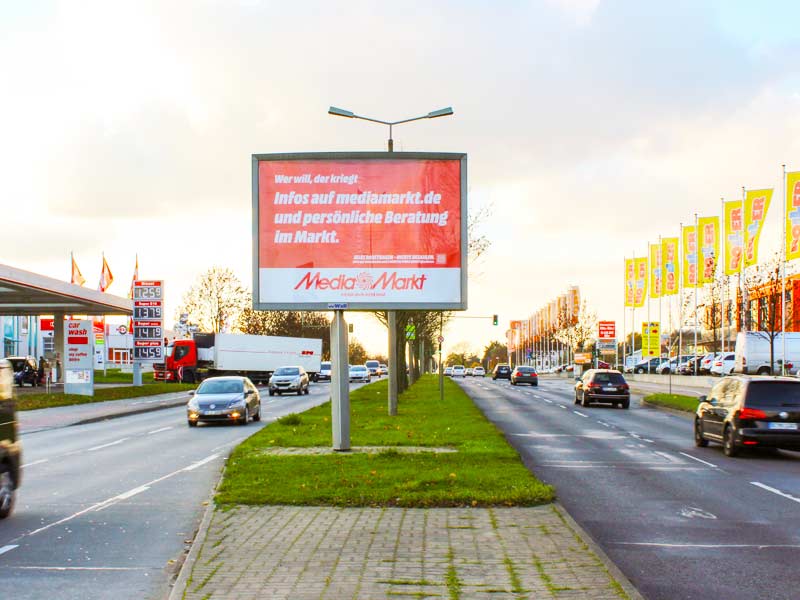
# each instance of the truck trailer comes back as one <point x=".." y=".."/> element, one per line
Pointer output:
<point x="254" y="356"/>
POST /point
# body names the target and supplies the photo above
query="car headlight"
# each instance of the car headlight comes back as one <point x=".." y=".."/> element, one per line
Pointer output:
<point x="193" y="405"/>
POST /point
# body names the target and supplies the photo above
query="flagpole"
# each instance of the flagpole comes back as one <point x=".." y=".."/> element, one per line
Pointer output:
<point x="633" y="316"/>
<point x="724" y="280"/>
<point x="783" y="278"/>
<point x="696" y="283"/>
<point x="660" y="292"/>
<point x="625" y="316"/>
<point x="680" y="297"/>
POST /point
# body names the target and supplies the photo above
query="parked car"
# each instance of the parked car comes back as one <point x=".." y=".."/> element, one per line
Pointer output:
<point x="288" y="379"/>
<point x="359" y="373"/>
<point x="708" y="361"/>
<point x="723" y="364"/>
<point x="478" y="372"/>
<point x="671" y="365"/>
<point x="324" y="371"/>
<point x="10" y="446"/>
<point x="649" y="365"/>
<point x="384" y="370"/>
<point x="750" y="412"/>
<point x="501" y="371"/>
<point x="448" y="371"/>
<point x="468" y="372"/>
<point x="25" y="370"/>
<point x="691" y="366"/>
<point x="459" y="371"/>
<point x="753" y="352"/>
<point x="524" y="374"/>
<point x="374" y="368"/>
<point x="230" y="399"/>
<point x="602" y="385"/>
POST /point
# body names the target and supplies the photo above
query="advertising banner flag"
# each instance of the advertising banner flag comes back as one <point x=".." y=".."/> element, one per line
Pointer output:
<point x="709" y="247"/>
<point x="655" y="271"/>
<point x="669" y="266"/>
<point x="756" y="205"/>
<point x="792" y="215"/>
<point x="689" y="256"/>
<point x="359" y="230"/>
<point x="575" y="302"/>
<point x="640" y="282"/>
<point x="629" y="279"/>
<point x="734" y="237"/>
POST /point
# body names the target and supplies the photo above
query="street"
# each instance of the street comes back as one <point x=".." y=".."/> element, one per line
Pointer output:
<point x="679" y="521"/>
<point x="105" y="508"/>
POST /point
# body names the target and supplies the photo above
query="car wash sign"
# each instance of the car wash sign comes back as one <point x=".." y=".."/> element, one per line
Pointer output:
<point x="79" y="358"/>
<point x="365" y="230"/>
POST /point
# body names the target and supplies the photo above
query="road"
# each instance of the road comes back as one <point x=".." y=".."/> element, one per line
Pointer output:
<point x="105" y="507"/>
<point x="681" y="522"/>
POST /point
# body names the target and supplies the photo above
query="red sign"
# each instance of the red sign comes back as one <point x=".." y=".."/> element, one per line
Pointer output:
<point x="78" y="340"/>
<point x="607" y="330"/>
<point x="46" y="324"/>
<point x="364" y="232"/>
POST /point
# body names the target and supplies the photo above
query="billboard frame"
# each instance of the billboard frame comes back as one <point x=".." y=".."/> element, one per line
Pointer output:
<point x="360" y="306"/>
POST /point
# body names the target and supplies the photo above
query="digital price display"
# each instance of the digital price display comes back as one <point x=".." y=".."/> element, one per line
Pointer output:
<point x="148" y="320"/>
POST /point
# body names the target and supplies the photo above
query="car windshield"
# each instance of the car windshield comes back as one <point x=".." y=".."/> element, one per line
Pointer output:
<point x="525" y="369"/>
<point x="220" y="386"/>
<point x="773" y="394"/>
<point x="287" y="371"/>
<point x="615" y="378"/>
<point x="325" y="365"/>
<point x="358" y="368"/>
<point x="373" y="363"/>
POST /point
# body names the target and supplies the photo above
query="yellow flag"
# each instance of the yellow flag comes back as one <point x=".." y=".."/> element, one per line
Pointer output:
<point x="756" y="205"/>
<point x="669" y="266"/>
<point x="655" y="271"/>
<point x="689" y="257"/>
<point x="792" y="215"/>
<point x="708" y="228"/>
<point x="629" y="279"/>
<point x="640" y="283"/>
<point x="734" y="237"/>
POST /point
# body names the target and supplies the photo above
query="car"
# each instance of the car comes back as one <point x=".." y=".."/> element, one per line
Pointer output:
<point x="448" y="371"/>
<point x="229" y="399"/>
<point x="459" y="371"/>
<point x="524" y="374"/>
<point x="25" y="370"/>
<point x="691" y="366"/>
<point x="468" y="372"/>
<point x="648" y="365"/>
<point x="750" y="412"/>
<point x="708" y="361"/>
<point x="288" y="379"/>
<point x="723" y="364"/>
<point x="602" y="385"/>
<point x="324" y="371"/>
<point x="384" y="369"/>
<point x="359" y="373"/>
<point x="10" y="446"/>
<point x="753" y="352"/>
<point x="374" y="368"/>
<point x="479" y="372"/>
<point x="501" y="371"/>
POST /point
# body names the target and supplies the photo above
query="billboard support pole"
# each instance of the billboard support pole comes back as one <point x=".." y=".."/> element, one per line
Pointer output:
<point x="137" y="373"/>
<point x="340" y="384"/>
<point x="393" y="374"/>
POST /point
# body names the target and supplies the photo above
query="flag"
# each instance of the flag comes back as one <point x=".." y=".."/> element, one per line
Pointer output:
<point x="708" y="229"/>
<point x="130" y="294"/>
<point x="106" y="278"/>
<point x="655" y="271"/>
<point x="689" y="257"/>
<point x="640" y="282"/>
<point x="734" y="237"/>
<point x="792" y="215"/>
<point x="76" y="277"/>
<point x="669" y="266"/>
<point x="756" y="205"/>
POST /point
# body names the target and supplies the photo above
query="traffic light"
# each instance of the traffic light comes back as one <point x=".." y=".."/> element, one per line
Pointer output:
<point x="494" y="319"/>
<point x="350" y="328"/>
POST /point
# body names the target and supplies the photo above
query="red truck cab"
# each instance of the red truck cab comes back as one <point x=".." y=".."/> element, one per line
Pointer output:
<point x="180" y="363"/>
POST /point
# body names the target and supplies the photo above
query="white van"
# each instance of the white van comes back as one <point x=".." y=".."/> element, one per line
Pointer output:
<point x="752" y="353"/>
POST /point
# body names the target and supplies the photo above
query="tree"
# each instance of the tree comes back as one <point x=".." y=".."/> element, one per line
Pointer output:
<point x="357" y="355"/>
<point x="764" y="283"/>
<point x="575" y="333"/>
<point x="215" y="301"/>
<point x="495" y="352"/>
<point x="288" y="323"/>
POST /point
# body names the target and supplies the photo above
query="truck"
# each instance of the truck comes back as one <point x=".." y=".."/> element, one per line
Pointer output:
<point x="254" y="356"/>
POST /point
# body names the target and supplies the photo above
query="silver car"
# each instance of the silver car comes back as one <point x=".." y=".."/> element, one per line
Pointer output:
<point x="359" y="373"/>
<point x="224" y="399"/>
<point x="288" y="379"/>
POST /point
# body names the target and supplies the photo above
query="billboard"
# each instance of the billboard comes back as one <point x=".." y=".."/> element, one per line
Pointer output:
<point x="607" y="330"/>
<point x="79" y="358"/>
<point x="359" y="230"/>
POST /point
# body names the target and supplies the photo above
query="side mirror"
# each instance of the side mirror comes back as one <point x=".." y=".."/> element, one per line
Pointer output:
<point x="701" y="399"/>
<point x="577" y="379"/>
<point x="191" y="392"/>
<point x="249" y="393"/>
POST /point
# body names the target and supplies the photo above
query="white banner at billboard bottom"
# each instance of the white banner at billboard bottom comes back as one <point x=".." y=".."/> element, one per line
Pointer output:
<point x="359" y="285"/>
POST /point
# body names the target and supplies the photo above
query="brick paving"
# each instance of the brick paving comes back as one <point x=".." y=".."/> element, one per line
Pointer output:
<point x="323" y="553"/>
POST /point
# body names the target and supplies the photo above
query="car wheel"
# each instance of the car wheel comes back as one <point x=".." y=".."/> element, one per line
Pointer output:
<point x="6" y="492"/>
<point x="729" y="446"/>
<point x="512" y="382"/>
<point x="699" y="440"/>
<point x="585" y="401"/>
<point x="272" y="392"/>
<point x="300" y="391"/>
<point x="307" y="391"/>
<point x="625" y="404"/>
<point x="763" y="371"/>
<point x="191" y="423"/>
<point x="257" y="416"/>
<point x="576" y="398"/>
<point x="246" y="419"/>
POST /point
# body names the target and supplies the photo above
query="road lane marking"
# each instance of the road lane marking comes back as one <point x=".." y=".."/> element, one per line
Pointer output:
<point x="580" y="414"/>
<point x="775" y="491"/>
<point x="691" y="512"/>
<point x="604" y="424"/>
<point x="36" y="462"/>
<point x="5" y="549"/>
<point x="93" y="448"/>
<point x="562" y="406"/>
<point x="636" y="435"/>
<point x="598" y="435"/>
<point x="548" y="401"/>
<point x="159" y="430"/>
<point x="700" y="460"/>
<point x="669" y="457"/>
<point x="710" y="546"/>
<point x="200" y="463"/>
<point x="648" y="441"/>
<point x="33" y="568"/>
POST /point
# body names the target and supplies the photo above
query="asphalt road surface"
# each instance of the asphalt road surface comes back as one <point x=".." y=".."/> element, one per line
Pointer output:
<point x="105" y="509"/>
<point x="679" y="521"/>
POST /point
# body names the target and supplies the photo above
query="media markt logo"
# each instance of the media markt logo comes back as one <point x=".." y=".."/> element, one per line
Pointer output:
<point x="364" y="281"/>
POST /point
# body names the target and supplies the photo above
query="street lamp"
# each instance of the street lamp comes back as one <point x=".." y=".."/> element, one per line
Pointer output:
<point x="340" y="112"/>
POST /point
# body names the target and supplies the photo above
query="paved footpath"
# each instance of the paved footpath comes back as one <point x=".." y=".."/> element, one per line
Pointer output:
<point x="319" y="553"/>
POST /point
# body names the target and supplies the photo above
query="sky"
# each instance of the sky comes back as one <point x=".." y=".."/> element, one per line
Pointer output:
<point x="592" y="127"/>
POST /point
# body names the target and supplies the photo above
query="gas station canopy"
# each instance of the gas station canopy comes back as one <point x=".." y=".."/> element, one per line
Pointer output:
<point x="23" y="293"/>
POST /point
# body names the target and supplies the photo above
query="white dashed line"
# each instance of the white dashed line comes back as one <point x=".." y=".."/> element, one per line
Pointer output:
<point x="669" y="457"/>
<point x="5" y="549"/>
<point x="604" y="424"/>
<point x="775" y="491"/>
<point x="159" y="430"/>
<point x="700" y="460"/>
<point x="93" y="448"/>
<point x="562" y="406"/>
<point x="200" y="463"/>
<point x="580" y="414"/>
<point x="36" y="462"/>
<point x="548" y="401"/>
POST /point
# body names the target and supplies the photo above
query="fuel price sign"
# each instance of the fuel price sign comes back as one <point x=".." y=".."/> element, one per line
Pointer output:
<point x="148" y="320"/>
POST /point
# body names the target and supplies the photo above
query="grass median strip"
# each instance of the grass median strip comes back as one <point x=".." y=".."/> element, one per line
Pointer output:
<point x="675" y="401"/>
<point x="34" y="401"/>
<point x="119" y="376"/>
<point x="483" y="471"/>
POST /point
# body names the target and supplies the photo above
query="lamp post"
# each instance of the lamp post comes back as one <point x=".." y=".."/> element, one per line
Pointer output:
<point x="391" y="315"/>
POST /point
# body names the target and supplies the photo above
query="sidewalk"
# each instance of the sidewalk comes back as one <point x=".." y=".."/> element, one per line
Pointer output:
<point x="299" y="552"/>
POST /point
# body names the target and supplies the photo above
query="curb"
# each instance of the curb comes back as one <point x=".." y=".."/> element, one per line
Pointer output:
<point x="673" y="411"/>
<point x="135" y="411"/>
<point x="612" y="568"/>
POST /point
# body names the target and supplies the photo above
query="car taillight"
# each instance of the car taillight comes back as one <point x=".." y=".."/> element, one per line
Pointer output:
<point x="594" y="385"/>
<point x="752" y="413"/>
<point x="624" y="386"/>
<point x="717" y="364"/>
<point x="789" y="365"/>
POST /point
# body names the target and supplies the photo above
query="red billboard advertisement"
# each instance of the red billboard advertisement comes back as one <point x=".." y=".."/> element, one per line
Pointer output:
<point x="359" y="230"/>
<point x="607" y="330"/>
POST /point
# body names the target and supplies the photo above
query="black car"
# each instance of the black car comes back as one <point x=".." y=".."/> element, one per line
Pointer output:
<point x="10" y="447"/>
<point x="25" y="370"/>
<point x="523" y="374"/>
<point x="649" y="365"/>
<point x="501" y="371"/>
<point x="602" y="385"/>
<point x="224" y="399"/>
<point x="750" y="412"/>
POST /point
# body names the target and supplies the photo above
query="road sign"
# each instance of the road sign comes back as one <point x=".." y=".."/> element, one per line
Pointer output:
<point x="148" y="320"/>
<point x="441" y="339"/>
<point x="607" y="330"/>
<point x="411" y="332"/>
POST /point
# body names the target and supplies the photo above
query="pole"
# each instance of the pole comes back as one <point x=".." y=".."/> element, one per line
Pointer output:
<point x="340" y="384"/>
<point x="724" y="282"/>
<point x="441" y="367"/>
<point x="680" y="301"/>
<point x="660" y="293"/>
<point x="696" y="282"/>
<point x="393" y="368"/>
<point x="742" y="283"/>
<point x="625" y="319"/>
<point x="783" y="278"/>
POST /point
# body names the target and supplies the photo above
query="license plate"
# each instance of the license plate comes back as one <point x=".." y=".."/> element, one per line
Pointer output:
<point x="783" y="426"/>
<point x="609" y="389"/>
<point x="213" y="412"/>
